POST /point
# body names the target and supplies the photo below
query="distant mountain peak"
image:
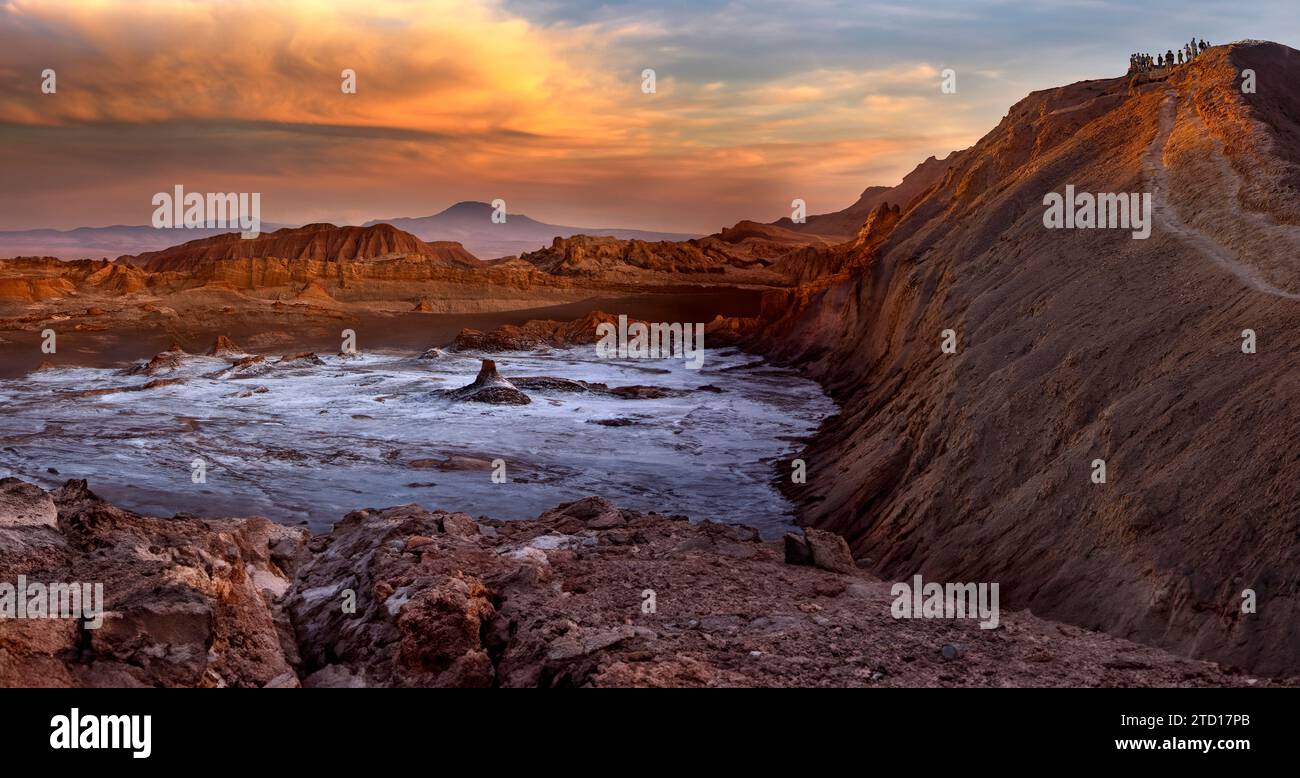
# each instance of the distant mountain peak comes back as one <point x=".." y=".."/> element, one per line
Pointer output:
<point x="469" y="222"/>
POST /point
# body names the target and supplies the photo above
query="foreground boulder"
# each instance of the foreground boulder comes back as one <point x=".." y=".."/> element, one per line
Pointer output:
<point x="386" y="602"/>
<point x="186" y="602"/>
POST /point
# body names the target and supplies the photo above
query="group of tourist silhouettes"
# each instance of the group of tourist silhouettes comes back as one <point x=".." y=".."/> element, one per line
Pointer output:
<point x="1145" y="62"/>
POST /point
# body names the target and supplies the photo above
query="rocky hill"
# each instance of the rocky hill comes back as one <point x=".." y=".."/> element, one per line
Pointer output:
<point x="318" y="242"/>
<point x="1077" y="345"/>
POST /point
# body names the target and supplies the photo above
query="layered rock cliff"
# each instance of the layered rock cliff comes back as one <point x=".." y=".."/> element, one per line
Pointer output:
<point x="1076" y="345"/>
<point x="316" y="242"/>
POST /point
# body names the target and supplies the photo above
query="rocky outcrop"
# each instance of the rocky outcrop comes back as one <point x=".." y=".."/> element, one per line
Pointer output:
<point x="187" y="602"/>
<point x="556" y="384"/>
<point x="25" y="505"/>
<point x="490" y="387"/>
<point x="819" y="548"/>
<point x="225" y="347"/>
<point x="313" y="292"/>
<point x="587" y="594"/>
<point x="164" y="362"/>
<point x="384" y="602"/>
<point x="251" y="366"/>
<point x="301" y="359"/>
<point x="746" y="246"/>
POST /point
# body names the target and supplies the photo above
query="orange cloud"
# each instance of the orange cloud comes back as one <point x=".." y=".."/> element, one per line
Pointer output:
<point x="456" y="99"/>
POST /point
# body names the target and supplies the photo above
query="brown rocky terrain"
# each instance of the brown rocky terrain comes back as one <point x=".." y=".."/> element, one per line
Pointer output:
<point x="584" y="595"/>
<point x="301" y="287"/>
<point x="1076" y="345"/>
<point x="747" y="245"/>
<point x="109" y="312"/>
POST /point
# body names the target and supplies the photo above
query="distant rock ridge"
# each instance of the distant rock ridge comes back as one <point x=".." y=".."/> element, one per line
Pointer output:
<point x="471" y="223"/>
<point x="318" y="242"/>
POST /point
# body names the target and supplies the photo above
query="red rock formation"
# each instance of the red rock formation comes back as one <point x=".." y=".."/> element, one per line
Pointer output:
<point x="224" y="347"/>
<point x="319" y="242"/>
<point x="588" y="256"/>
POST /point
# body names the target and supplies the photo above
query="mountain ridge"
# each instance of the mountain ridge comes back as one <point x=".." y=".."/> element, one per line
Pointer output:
<point x="470" y="223"/>
<point x="1076" y="346"/>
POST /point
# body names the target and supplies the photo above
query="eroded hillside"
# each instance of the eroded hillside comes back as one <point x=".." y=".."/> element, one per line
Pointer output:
<point x="1083" y="344"/>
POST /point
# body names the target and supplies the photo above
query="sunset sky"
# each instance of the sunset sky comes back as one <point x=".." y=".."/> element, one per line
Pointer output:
<point x="539" y="103"/>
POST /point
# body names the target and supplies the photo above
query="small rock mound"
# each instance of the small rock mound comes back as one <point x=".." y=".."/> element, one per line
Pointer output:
<point x="593" y="513"/>
<point x="301" y="359"/>
<point x="245" y="367"/>
<point x="453" y="462"/>
<point x="554" y="384"/>
<point x="165" y="361"/>
<point x="490" y="387"/>
<point x="224" y="347"/>
<point x="641" y="392"/>
<point x="314" y="292"/>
